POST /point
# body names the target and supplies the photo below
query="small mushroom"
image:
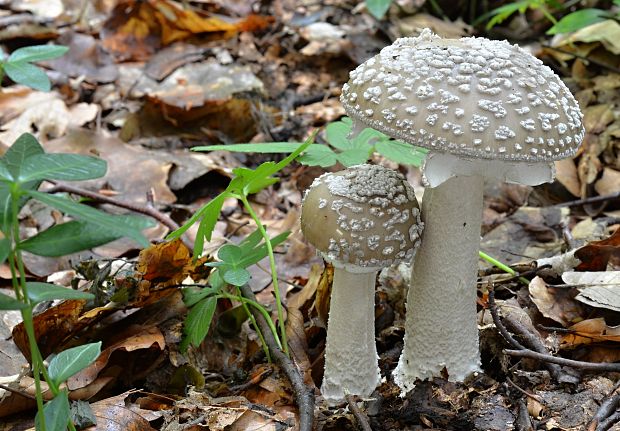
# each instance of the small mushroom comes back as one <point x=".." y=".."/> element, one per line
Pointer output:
<point x="485" y="109"/>
<point x="361" y="219"/>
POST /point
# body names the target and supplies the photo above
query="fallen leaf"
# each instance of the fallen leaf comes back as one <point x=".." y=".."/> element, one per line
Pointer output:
<point x="590" y="331"/>
<point x="597" y="289"/>
<point x="556" y="303"/>
<point x="595" y="256"/>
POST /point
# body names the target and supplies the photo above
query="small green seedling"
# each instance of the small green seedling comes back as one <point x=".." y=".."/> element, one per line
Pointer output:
<point x="18" y="66"/>
<point x="22" y="169"/>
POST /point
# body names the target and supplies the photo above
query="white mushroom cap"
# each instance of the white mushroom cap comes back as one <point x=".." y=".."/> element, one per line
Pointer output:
<point x="470" y="97"/>
<point x="364" y="218"/>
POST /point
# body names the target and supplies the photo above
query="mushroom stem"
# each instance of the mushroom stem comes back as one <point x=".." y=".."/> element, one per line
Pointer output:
<point x="440" y="327"/>
<point x="351" y="361"/>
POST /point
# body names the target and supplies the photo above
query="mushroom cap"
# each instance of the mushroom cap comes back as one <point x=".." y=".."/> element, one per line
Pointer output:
<point x="363" y="218"/>
<point x="470" y="97"/>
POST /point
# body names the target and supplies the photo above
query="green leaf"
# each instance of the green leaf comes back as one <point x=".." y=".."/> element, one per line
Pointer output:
<point x="354" y="156"/>
<point x="230" y="254"/>
<point x="74" y="236"/>
<point x="402" y="152"/>
<point x="325" y="157"/>
<point x="264" y="147"/>
<point x="4" y="172"/>
<point x="254" y="255"/>
<point x="8" y="303"/>
<point x="90" y="215"/>
<point x="28" y="74"/>
<point x="23" y="148"/>
<point x="56" y="413"/>
<point x="336" y="134"/>
<point x="378" y="8"/>
<point x="193" y="295"/>
<point x="198" y="322"/>
<point x="577" y="20"/>
<point x="59" y="166"/>
<point x="236" y="276"/>
<point x="209" y="215"/>
<point x="71" y="361"/>
<point x="502" y="13"/>
<point x="39" y="292"/>
<point x="5" y="249"/>
<point x="37" y="53"/>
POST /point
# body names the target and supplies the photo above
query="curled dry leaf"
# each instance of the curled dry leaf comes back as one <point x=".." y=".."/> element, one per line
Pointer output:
<point x="590" y="331"/>
<point x="597" y="289"/>
<point x="556" y="303"/>
<point x="596" y="255"/>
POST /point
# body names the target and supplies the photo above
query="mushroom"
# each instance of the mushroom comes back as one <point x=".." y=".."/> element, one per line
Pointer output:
<point x="485" y="109"/>
<point x="361" y="219"/>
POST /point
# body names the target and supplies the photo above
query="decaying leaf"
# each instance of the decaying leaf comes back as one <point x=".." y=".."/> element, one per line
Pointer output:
<point x="596" y="255"/>
<point x="590" y="331"/>
<point x="555" y="303"/>
<point x="598" y="289"/>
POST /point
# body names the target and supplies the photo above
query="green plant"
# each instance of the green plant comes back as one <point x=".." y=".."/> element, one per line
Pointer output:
<point x="570" y="22"/>
<point x="339" y="148"/>
<point x="234" y="259"/>
<point x="22" y="169"/>
<point x="378" y="8"/>
<point x="18" y="66"/>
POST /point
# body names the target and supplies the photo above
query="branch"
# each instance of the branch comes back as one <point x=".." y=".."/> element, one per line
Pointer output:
<point x="304" y="396"/>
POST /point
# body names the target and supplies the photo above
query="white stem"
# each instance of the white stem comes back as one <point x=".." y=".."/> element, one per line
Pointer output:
<point x="440" y="327"/>
<point x="351" y="361"/>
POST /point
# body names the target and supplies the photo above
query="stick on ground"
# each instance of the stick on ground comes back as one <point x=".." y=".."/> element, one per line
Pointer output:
<point x="304" y="396"/>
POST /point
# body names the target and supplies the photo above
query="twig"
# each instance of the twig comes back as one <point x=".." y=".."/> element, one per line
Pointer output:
<point x="524" y="392"/>
<point x="607" y="423"/>
<point x="17" y="391"/>
<point x="530" y="339"/>
<point x="591" y="366"/>
<point x="149" y="211"/>
<point x="591" y="200"/>
<point x="606" y="410"/>
<point x="359" y="415"/>
<point x="303" y="394"/>
<point x="523" y="422"/>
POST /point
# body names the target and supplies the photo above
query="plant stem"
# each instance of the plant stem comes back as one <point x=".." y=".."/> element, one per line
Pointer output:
<point x="502" y="266"/>
<point x="19" y="283"/>
<point x="274" y="273"/>
<point x="255" y="325"/>
<point x="262" y="311"/>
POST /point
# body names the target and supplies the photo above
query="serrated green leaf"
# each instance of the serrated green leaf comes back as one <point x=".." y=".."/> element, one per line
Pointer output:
<point x="39" y="292"/>
<point x="209" y="213"/>
<point x="8" y="303"/>
<point x="28" y="74"/>
<point x="325" y="157"/>
<point x="74" y="236"/>
<point x="336" y="134"/>
<point x="378" y="8"/>
<point x="37" y="53"/>
<point x="354" y="156"/>
<point x="577" y="20"/>
<point x="236" y="276"/>
<point x="402" y="152"/>
<point x="198" y="322"/>
<point x="71" y="361"/>
<point x="59" y="166"/>
<point x="56" y="413"/>
<point x="250" y="257"/>
<point x="90" y="215"/>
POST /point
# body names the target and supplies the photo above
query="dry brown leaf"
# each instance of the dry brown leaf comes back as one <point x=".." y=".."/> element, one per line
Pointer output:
<point x="167" y="263"/>
<point x="590" y="331"/>
<point x="595" y="256"/>
<point x="566" y="174"/>
<point x="609" y="182"/>
<point x="555" y="303"/>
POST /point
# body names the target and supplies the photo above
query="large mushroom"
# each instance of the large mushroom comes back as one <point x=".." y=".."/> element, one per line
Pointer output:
<point x="361" y="219"/>
<point x="485" y="109"/>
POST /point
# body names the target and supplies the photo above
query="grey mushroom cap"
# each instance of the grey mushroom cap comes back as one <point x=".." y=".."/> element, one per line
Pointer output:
<point x="469" y="97"/>
<point x="363" y="218"/>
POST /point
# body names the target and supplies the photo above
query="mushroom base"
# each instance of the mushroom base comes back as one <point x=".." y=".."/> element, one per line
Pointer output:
<point x="440" y="328"/>
<point x="351" y="360"/>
